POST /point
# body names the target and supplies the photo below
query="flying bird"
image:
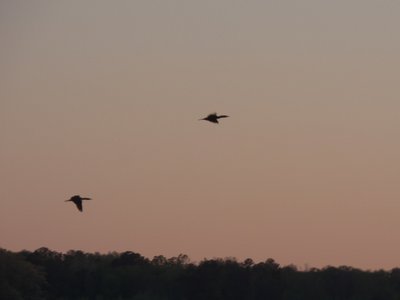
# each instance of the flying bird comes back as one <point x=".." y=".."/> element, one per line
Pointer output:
<point x="214" y="118"/>
<point x="78" y="201"/>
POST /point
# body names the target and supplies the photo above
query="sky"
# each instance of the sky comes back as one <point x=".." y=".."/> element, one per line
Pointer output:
<point x="102" y="99"/>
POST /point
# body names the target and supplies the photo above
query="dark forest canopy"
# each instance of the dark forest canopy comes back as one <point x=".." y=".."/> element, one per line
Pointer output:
<point x="46" y="274"/>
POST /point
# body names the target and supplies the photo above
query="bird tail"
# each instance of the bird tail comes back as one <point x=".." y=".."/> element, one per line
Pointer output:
<point x="223" y="116"/>
<point x="86" y="198"/>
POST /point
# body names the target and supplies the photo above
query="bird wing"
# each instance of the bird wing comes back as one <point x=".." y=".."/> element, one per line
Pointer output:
<point x="212" y="115"/>
<point x="223" y="116"/>
<point x="79" y="205"/>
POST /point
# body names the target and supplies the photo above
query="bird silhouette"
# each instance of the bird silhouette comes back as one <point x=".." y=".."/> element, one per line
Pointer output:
<point x="213" y="118"/>
<point x="78" y="201"/>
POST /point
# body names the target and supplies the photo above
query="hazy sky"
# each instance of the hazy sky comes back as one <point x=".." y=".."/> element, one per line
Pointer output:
<point x="102" y="99"/>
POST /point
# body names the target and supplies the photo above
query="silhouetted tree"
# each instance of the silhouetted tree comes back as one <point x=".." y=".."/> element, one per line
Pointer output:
<point x="46" y="274"/>
<point x="20" y="279"/>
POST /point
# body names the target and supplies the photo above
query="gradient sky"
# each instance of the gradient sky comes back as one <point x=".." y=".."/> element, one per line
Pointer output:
<point x="102" y="99"/>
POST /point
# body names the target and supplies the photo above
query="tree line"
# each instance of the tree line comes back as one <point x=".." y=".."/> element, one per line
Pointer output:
<point x="47" y="274"/>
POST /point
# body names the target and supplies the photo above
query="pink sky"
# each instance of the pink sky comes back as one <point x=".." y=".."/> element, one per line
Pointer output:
<point x="102" y="99"/>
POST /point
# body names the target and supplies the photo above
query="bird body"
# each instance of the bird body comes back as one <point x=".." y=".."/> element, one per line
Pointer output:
<point x="213" y="118"/>
<point x="78" y="201"/>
